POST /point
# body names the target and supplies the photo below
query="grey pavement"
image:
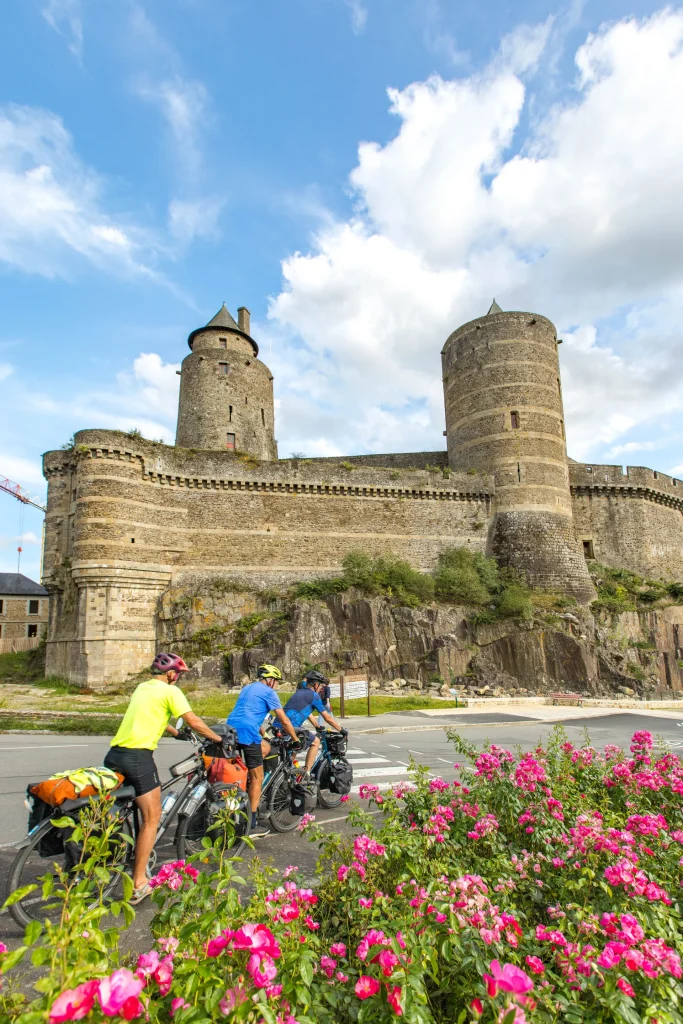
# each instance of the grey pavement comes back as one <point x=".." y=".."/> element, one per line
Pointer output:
<point x="378" y="757"/>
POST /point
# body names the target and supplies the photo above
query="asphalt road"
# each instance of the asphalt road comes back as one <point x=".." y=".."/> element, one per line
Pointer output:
<point x="378" y="758"/>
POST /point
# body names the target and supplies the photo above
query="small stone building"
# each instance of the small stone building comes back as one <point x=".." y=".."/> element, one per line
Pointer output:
<point x="23" y="609"/>
<point x="127" y="518"/>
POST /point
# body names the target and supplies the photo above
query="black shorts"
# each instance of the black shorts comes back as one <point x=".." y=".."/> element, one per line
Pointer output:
<point x="252" y="755"/>
<point x="136" y="766"/>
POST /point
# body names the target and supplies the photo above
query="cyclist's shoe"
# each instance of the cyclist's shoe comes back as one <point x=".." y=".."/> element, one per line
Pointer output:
<point x="256" y="828"/>
<point x="140" y="894"/>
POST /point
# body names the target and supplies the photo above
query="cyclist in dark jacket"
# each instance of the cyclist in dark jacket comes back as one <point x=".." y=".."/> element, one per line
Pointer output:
<point x="303" y="703"/>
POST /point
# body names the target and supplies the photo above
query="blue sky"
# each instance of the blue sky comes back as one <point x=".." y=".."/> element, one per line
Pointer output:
<point x="364" y="175"/>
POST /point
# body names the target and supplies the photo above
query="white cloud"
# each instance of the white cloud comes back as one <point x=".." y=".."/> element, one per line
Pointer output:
<point x="676" y="471"/>
<point x="5" y="370"/>
<point x="66" y="17"/>
<point x="574" y="213"/>
<point x="183" y="104"/>
<point x="28" y="537"/>
<point x="359" y="16"/>
<point x="25" y="472"/>
<point x="194" y="218"/>
<point x="632" y="446"/>
<point x="52" y="205"/>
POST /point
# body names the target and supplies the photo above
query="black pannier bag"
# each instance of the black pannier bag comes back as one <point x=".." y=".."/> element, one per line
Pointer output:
<point x="337" y="744"/>
<point x="303" y="796"/>
<point x="340" y="776"/>
<point x="228" y="748"/>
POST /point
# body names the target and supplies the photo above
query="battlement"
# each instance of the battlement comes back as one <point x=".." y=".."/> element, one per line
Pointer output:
<point x="633" y="479"/>
<point x="168" y="466"/>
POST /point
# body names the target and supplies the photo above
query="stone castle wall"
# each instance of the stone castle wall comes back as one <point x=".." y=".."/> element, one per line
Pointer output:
<point x="126" y="517"/>
<point x="632" y="518"/>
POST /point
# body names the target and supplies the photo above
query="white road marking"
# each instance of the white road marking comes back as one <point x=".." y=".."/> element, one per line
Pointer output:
<point x="371" y="773"/>
<point x="444" y="760"/>
<point x="355" y="750"/>
<point x="394" y="745"/>
<point x="367" y="760"/>
<point x="49" y="746"/>
<point x="380" y="785"/>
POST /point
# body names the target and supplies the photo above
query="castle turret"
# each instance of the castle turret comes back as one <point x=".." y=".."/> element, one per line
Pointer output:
<point x="504" y="416"/>
<point x="226" y="392"/>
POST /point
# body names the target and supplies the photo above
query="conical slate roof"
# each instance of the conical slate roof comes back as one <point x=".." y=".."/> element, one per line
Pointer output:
<point x="222" y="321"/>
<point x="495" y="308"/>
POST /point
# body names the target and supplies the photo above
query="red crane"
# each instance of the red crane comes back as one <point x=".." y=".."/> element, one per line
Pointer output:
<point x="21" y="495"/>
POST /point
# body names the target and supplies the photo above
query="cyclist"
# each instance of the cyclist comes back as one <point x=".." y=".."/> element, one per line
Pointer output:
<point x="253" y="705"/>
<point x="301" y="705"/>
<point x="152" y="705"/>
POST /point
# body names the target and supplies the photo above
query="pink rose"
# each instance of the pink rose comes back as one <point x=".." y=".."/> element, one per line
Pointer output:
<point x="178" y="1004"/>
<point x="394" y="999"/>
<point x="338" y="949"/>
<point x="118" y="994"/>
<point x="535" y="964"/>
<point x="262" y="969"/>
<point x="510" y="978"/>
<point x="73" y="1003"/>
<point x="366" y="987"/>
<point x="258" y="938"/>
<point x="626" y="987"/>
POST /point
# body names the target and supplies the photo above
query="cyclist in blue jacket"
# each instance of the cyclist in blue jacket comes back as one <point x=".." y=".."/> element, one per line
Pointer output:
<point x="306" y="701"/>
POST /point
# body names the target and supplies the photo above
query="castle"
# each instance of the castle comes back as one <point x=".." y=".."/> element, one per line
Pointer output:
<point x="129" y="517"/>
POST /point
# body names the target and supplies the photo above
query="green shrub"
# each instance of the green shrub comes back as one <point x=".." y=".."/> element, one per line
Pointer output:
<point x="24" y="666"/>
<point x="465" y="576"/>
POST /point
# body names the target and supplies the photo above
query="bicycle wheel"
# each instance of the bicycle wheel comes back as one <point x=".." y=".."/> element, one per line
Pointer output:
<point x="46" y="848"/>
<point x="326" y="797"/>
<point x="281" y="818"/>
<point x="193" y="828"/>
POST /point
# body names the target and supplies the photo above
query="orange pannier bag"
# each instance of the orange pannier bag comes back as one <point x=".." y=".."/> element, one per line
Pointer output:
<point x="226" y="770"/>
<point x="55" y="791"/>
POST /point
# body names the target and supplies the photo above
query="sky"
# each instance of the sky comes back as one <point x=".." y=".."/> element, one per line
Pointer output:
<point x="364" y="176"/>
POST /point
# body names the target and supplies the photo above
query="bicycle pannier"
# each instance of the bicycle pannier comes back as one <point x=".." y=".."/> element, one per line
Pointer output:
<point x="341" y="777"/>
<point x="336" y="744"/>
<point x="228" y="747"/>
<point x="226" y="770"/>
<point x="55" y="791"/>
<point x="303" y="797"/>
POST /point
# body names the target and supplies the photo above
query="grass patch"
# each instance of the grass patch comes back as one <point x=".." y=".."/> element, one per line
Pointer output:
<point x="24" y="666"/>
<point x="383" y="705"/>
<point x="76" y="726"/>
<point x="620" y="590"/>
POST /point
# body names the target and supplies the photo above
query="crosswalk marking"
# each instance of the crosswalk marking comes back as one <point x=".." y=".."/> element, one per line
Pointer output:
<point x="367" y="760"/>
<point x="371" y="773"/>
<point x="355" y="750"/>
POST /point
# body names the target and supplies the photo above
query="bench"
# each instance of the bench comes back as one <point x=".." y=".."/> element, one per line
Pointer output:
<point x="566" y="698"/>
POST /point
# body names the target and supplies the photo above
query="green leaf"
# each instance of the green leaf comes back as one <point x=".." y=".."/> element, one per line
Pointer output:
<point x="32" y="932"/>
<point x="13" y="958"/>
<point x="18" y="895"/>
<point x="306" y="970"/>
<point x="127" y="883"/>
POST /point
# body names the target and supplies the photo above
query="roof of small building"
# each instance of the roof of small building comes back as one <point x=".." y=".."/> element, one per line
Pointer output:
<point x="495" y="308"/>
<point x="222" y="321"/>
<point x="15" y="583"/>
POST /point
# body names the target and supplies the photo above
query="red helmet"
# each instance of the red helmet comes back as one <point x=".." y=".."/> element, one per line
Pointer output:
<point x="169" y="662"/>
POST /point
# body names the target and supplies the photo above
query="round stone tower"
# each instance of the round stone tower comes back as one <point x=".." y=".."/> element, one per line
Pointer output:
<point x="226" y="392"/>
<point x="504" y="416"/>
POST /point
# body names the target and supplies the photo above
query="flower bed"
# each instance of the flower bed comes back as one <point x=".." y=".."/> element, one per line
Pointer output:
<point x="545" y="889"/>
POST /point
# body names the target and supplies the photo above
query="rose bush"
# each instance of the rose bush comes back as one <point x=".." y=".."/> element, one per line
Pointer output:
<point x="542" y="886"/>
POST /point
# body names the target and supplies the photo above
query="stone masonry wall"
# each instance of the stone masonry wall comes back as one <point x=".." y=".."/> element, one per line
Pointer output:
<point x="127" y="516"/>
<point x="633" y="519"/>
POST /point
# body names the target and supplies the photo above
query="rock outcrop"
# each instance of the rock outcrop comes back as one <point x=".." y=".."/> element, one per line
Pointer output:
<point x="225" y="633"/>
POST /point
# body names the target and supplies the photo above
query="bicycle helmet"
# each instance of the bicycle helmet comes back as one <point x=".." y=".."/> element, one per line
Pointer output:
<point x="315" y="677"/>
<point x="269" y="672"/>
<point x="168" y="662"/>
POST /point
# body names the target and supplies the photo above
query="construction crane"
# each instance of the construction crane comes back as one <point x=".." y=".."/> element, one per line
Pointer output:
<point x="25" y="498"/>
<point x="19" y="493"/>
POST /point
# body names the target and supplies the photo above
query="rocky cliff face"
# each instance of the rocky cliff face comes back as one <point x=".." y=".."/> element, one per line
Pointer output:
<point x="225" y="633"/>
